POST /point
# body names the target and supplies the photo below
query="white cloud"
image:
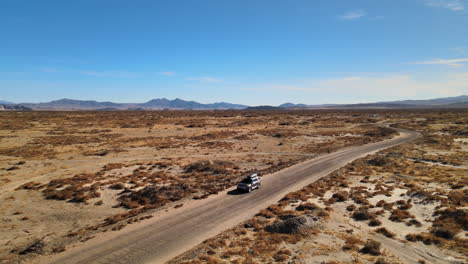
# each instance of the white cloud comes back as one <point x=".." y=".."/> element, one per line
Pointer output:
<point x="382" y="86"/>
<point x="168" y="73"/>
<point x="455" y="5"/>
<point x="353" y="14"/>
<point x="452" y="63"/>
<point x="206" y="79"/>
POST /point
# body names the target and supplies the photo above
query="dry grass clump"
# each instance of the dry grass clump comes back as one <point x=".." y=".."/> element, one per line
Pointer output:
<point x="282" y="255"/>
<point x="30" y="151"/>
<point x="380" y="132"/>
<point x="30" y="186"/>
<point x="340" y="196"/>
<point x="398" y="215"/>
<point x="378" y="161"/>
<point x="427" y="239"/>
<point x="216" y="167"/>
<point x="37" y="246"/>
<point x="295" y="196"/>
<point x="449" y="222"/>
<point x="371" y="247"/>
<point x="278" y="133"/>
<point x="215" y="135"/>
<point x="117" y="186"/>
<point x="375" y="222"/>
<point x="74" y="189"/>
<point x="363" y="214"/>
<point x="385" y="232"/>
<point x="156" y="196"/>
<point x="351" y="242"/>
<point x="307" y="207"/>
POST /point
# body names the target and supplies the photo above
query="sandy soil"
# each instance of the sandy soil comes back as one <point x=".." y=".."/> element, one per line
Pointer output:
<point x="405" y="204"/>
<point x="170" y="234"/>
<point x="84" y="173"/>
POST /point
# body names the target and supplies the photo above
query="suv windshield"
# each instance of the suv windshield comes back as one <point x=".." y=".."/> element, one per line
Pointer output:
<point x="246" y="180"/>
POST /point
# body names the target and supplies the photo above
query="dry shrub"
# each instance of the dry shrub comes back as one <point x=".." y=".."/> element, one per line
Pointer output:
<point x="307" y="207"/>
<point x="278" y="133"/>
<point x="58" y="249"/>
<point x="444" y="233"/>
<point x="371" y="247"/>
<point x="340" y="196"/>
<point x="378" y="161"/>
<point x="295" y="196"/>
<point x="453" y="218"/>
<point x="215" y="167"/>
<point x="255" y="223"/>
<point x="381" y="261"/>
<point x="414" y="222"/>
<point x="266" y="214"/>
<point x="278" y="210"/>
<point x="404" y="205"/>
<point x="362" y="214"/>
<point x="296" y="225"/>
<point x="215" y="135"/>
<point x="351" y="242"/>
<point x="380" y="203"/>
<point x="117" y="186"/>
<point x="37" y="246"/>
<point x="112" y="166"/>
<point x="282" y="255"/>
<point x="123" y="216"/>
<point x="385" y="232"/>
<point x="380" y="132"/>
<point x="375" y="222"/>
<point x="210" y="260"/>
<point x="30" y="186"/>
<point x="75" y="191"/>
<point x="398" y="215"/>
<point x="459" y="197"/>
<point x="155" y="195"/>
<point x="422" y="237"/>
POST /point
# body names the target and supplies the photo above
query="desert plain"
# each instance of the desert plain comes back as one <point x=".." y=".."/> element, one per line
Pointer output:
<point x="68" y="177"/>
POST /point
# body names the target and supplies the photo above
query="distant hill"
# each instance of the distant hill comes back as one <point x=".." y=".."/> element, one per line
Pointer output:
<point x="448" y="102"/>
<point x="163" y="103"/>
<point x="291" y="105"/>
<point x="70" y="104"/>
<point x="437" y="101"/>
<point x="182" y="104"/>
<point x="264" y="107"/>
<point x="5" y="102"/>
<point x="8" y="107"/>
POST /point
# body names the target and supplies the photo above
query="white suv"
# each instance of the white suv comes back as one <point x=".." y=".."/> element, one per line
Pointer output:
<point x="249" y="183"/>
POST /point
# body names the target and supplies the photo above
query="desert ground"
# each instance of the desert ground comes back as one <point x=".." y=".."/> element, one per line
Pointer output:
<point x="67" y="177"/>
<point x="406" y="204"/>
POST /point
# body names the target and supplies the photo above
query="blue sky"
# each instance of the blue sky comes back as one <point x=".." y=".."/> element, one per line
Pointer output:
<point x="251" y="52"/>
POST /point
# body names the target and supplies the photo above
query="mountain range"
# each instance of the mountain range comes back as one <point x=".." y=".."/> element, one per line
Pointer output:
<point x="450" y="102"/>
<point x="163" y="103"/>
<point x="155" y="104"/>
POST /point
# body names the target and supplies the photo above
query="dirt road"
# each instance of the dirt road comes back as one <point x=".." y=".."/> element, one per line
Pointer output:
<point x="168" y="235"/>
